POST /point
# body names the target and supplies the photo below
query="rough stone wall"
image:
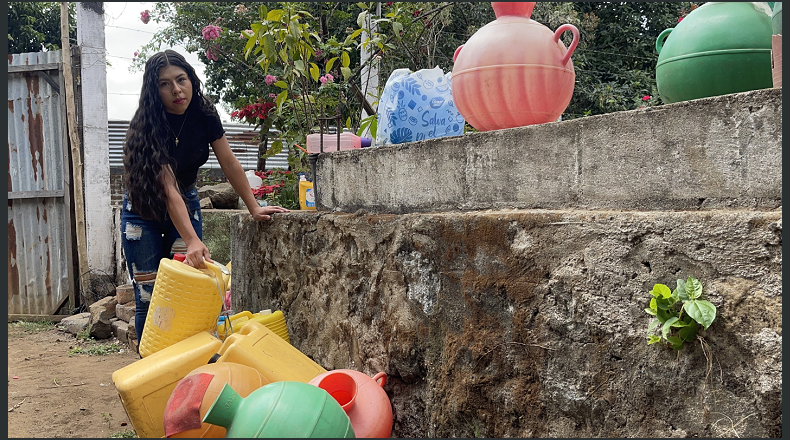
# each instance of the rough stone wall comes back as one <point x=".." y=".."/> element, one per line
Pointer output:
<point x="530" y="323"/>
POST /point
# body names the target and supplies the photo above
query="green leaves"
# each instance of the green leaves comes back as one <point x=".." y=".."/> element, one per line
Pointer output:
<point x="661" y="291"/>
<point x="314" y="71"/>
<point x="680" y="312"/>
<point x="346" y="73"/>
<point x="701" y="311"/>
<point x="275" y="15"/>
<point x="330" y="63"/>
<point x="693" y="288"/>
<point x="368" y="122"/>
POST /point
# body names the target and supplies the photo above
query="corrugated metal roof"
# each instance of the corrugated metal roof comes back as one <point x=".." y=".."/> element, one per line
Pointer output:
<point x="239" y="137"/>
<point x="40" y="273"/>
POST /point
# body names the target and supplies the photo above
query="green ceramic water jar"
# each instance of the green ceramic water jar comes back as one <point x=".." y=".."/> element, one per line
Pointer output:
<point x="280" y="410"/>
<point x="719" y="48"/>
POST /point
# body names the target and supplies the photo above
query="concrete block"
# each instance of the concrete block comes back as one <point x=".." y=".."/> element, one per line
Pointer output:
<point x="124" y="293"/>
<point x="120" y="330"/>
<point x="125" y="312"/>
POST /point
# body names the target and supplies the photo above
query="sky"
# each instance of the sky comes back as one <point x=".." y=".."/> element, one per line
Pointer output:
<point x="125" y="33"/>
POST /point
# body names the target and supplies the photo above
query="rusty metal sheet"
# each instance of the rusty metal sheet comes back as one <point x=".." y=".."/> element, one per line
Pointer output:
<point x="39" y="228"/>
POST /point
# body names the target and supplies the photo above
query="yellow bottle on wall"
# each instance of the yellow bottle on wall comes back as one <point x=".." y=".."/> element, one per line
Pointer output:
<point x="306" y="193"/>
<point x="145" y="385"/>
<point x="258" y="347"/>
<point x="185" y="301"/>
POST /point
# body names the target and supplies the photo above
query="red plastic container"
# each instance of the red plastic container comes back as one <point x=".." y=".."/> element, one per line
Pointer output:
<point x="371" y="413"/>
<point x="513" y="71"/>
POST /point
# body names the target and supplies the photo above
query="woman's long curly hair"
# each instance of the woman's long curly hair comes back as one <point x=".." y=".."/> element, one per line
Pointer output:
<point x="146" y="147"/>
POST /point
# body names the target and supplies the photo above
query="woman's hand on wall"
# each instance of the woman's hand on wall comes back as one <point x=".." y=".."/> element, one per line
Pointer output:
<point x="264" y="212"/>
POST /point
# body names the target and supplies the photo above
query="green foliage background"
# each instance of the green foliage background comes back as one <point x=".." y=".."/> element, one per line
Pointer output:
<point x="33" y="24"/>
<point x="615" y="60"/>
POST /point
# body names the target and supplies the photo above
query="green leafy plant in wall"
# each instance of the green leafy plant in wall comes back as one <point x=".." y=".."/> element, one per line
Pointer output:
<point x="678" y="313"/>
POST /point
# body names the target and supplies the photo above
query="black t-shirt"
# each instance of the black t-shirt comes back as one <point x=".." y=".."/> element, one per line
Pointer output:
<point x="199" y="130"/>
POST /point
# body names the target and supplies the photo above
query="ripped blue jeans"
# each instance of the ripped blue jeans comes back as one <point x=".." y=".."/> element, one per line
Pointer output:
<point x="145" y="243"/>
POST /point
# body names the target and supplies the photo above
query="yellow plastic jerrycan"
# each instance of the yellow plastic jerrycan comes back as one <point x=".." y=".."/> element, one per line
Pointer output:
<point x="256" y="346"/>
<point x="227" y="277"/>
<point x="274" y="321"/>
<point x="185" y="301"/>
<point x="145" y="385"/>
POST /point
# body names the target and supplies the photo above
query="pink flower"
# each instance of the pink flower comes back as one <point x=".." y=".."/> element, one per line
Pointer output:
<point x="211" y="32"/>
<point x="248" y="33"/>
<point x="145" y="16"/>
<point x="327" y="78"/>
<point x="646" y="98"/>
<point x="270" y="80"/>
<point x="680" y="19"/>
<point x="211" y="55"/>
<point x="135" y="54"/>
<point x="272" y="96"/>
<point x="239" y="9"/>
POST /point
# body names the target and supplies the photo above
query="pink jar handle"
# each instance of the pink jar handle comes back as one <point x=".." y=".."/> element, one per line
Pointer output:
<point x="457" y="51"/>
<point x="380" y="375"/>
<point x="574" y="43"/>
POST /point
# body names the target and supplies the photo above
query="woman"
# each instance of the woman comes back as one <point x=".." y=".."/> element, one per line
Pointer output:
<point x="167" y="142"/>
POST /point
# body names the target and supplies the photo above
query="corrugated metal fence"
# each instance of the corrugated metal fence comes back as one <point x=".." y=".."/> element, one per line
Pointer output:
<point x="239" y="137"/>
<point x="40" y="276"/>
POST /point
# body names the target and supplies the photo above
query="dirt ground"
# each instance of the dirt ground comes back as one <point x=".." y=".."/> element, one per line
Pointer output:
<point x="52" y="394"/>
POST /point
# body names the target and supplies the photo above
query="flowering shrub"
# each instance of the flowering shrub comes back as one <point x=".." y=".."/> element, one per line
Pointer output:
<point x="254" y="113"/>
<point x="145" y="16"/>
<point x="211" y="32"/>
<point x="279" y="188"/>
<point x="327" y="78"/>
<point x="212" y="55"/>
<point x="240" y="9"/>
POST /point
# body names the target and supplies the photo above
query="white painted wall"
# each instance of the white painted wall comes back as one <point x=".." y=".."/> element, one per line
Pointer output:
<point x="96" y="162"/>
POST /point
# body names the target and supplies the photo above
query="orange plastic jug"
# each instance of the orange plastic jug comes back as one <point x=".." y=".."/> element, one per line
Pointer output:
<point x="185" y="301"/>
<point x="371" y="413"/>
<point x="513" y="71"/>
<point x="255" y="345"/>
<point x="146" y="385"/>
<point x="188" y="406"/>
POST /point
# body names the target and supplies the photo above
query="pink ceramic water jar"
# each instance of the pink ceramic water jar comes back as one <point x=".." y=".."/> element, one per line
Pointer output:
<point x="513" y="71"/>
<point x="371" y="413"/>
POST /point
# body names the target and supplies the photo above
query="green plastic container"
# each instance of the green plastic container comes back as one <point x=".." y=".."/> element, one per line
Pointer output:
<point x="281" y="410"/>
<point x="719" y="48"/>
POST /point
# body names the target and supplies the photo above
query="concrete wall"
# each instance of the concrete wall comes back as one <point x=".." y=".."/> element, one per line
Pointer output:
<point x="708" y="153"/>
<point x="95" y="139"/>
<point x="502" y="289"/>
